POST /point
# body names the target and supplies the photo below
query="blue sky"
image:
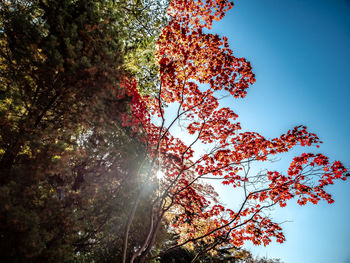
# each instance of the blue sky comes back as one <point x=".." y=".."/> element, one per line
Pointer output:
<point x="300" y="52"/>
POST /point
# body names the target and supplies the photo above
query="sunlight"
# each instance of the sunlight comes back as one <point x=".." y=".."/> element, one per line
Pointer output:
<point x="159" y="174"/>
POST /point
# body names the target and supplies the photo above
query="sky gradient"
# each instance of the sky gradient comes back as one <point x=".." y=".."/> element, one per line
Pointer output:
<point x="300" y="52"/>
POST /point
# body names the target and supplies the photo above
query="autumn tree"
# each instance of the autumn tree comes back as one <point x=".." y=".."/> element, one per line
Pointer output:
<point x="91" y="101"/>
<point x="197" y="69"/>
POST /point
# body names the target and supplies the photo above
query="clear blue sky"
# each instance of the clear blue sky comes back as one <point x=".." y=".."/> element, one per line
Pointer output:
<point x="300" y="52"/>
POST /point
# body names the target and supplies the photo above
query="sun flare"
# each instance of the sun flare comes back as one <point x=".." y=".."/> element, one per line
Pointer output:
<point x="160" y="174"/>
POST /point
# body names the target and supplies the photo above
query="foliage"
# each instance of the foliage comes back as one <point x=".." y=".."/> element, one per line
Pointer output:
<point x="68" y="165"/>
<point x="197" y="69"/>
<point x="147" y="20"/>
<point x="230" y="255"/>
<point x="92" y="168"/>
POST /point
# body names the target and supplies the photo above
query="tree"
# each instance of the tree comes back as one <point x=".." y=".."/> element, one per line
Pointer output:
<point x="67" y="164"/>
<point x="197" y="69"/>
<point x="87" y="128"/>
<point x="231" y="255"/>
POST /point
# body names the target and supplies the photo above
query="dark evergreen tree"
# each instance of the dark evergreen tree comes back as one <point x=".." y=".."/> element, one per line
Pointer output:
<point x="67" y="165"/>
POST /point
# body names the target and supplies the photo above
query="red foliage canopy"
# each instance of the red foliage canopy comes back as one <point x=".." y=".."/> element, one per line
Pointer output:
<point x="196" y="69"/>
